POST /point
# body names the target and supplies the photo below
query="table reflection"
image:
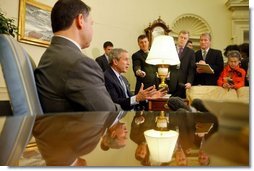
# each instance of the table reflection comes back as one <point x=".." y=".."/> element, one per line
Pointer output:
<point x="117" y="139"/>
<point x="62" y="139"/>
<point x="183" y="122"/>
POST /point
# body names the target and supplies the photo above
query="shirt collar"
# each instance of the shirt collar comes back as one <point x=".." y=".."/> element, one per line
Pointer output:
<point x="106" y="56"/>
<point x="70" y="40"/>
<point x="117" y="74"/>
<point x="205" y="50"/>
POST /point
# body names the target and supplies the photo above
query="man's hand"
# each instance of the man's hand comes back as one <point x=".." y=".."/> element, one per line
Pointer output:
<point x="140" y="73"/>
<point x="202" y="62"/>
<point x="160" y="93"/>
<point x="187" y="85"/>
<point x="150" y="93"/>
<point x="145" y="94"/>
<point x="199" y="70"/>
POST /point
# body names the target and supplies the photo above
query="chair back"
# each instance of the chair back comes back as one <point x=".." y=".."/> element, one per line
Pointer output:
<point x="18" y="73"/>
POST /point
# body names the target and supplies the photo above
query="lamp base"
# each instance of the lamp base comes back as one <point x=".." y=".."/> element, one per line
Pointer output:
<point x="163" y="74"/>
<point x="163" y="85"/>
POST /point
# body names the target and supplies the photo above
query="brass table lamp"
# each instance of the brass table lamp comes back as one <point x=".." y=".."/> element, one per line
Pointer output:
<point x="163" y="54"/>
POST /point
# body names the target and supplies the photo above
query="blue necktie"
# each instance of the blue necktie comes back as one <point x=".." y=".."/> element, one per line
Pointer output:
<point x="124" y="86"/>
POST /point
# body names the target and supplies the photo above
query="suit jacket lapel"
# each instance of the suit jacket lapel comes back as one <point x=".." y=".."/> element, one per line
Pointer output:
<point x="116" y="80"/>
<point x="105" y="59"/>
<point x="207" y="55"/>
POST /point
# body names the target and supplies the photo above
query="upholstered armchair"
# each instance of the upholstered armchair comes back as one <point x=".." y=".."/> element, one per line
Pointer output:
<point x="15" y="132"/>
<point x="17" y="69"/>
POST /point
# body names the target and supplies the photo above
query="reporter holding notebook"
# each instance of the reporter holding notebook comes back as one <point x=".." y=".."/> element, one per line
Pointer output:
<point x="207" y="55"/>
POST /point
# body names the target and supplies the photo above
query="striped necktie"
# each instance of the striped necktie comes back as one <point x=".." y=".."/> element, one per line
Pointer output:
<point x="204" y="54"/>
<point x="180" y="51"/>
<point x="124" y="86"/>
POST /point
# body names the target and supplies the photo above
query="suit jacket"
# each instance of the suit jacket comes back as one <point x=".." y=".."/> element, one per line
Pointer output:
<point x="116" y="90"/>
<point x="103" y="62"/>
<point x="63" y="138"/>
<point x="215" y="60"/>
<point x="138" y="62"/>
<point x="183" y="74"/>
<point x="67" y="80"/>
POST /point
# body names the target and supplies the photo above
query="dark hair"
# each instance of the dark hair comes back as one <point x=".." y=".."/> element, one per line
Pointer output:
<point x="229" y="48"/>
<point x="175" y="103"/>
<point x="65" y="11"/>
<point x="199" y="105"/>
<point x="244" y="48"/>
<point x="189" y="41"/>
<point x="142" y="36"/>
<point x="107" y="43"/>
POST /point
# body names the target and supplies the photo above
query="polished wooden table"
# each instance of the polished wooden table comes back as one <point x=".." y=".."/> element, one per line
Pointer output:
<point x="60" y="139"/>
<point x="160" y="104"/>
<point x="157" y="104"/>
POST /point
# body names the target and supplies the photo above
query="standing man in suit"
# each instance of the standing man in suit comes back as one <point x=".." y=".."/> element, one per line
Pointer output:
<point x="182" y="77"/>
<point x="103" y="59"/>
<point x="66" y="79"/>
<point x="207" y="55"/>
<point x="118" y="86"/>
<point x="145" y="73"/>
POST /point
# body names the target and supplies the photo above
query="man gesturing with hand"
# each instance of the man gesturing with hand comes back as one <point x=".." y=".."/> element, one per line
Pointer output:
<point x="118" y="86"/>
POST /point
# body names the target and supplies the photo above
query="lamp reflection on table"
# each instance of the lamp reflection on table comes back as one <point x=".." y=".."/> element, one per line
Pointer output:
<point x="85" y="129"/>
<point x="163" y="53"/>
<point x="161" y="141"/>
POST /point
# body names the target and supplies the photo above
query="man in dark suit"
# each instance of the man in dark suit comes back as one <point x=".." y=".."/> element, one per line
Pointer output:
<point x="66" y="79"/>
<point x="103" y="59"/>
<point x="182" y="77"/>
<point x="145" y="73"/>
<point x="118" y="86"/>
<point x="207" y="55"/>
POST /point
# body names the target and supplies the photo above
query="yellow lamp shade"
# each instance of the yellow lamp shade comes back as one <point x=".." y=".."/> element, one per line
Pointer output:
<point x="163" y="51"/>
<point x="161" y="144"/>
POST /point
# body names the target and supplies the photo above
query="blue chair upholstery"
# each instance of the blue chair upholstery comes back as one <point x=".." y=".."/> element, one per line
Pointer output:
<point x="18" y="73"/>
<point x="14" y="137"/>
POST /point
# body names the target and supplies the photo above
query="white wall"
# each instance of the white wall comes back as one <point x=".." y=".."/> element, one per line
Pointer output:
<point x="121" y="21"/>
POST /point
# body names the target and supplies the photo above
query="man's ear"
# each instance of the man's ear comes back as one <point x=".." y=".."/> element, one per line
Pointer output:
<point x="115" y="62"/>
<point x="113" y="134"/>
<point x="80" y="21"/>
